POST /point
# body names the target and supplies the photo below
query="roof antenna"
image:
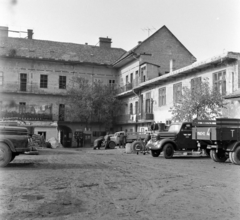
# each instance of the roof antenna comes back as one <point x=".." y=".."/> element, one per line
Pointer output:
<point x="148" y="30"/>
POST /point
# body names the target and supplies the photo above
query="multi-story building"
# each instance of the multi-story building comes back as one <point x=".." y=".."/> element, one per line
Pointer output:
<point x="35" y="76"/>
<point x="158" y="94"/>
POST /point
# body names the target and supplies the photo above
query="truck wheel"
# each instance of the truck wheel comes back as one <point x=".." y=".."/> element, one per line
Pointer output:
<point x="219" y="156"/>
<point x="111" y="145"/>
<point x="236" y="156"/>
<point x="5" y="155"/>
<point x="230" y="157"/>
<point x="168" y="151"/>
<point x="155" y="153"/>
<point x="137" y="146"/>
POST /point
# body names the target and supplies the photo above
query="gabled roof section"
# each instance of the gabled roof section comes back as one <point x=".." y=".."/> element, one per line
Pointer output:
<point x="58" y="51"/>
<point x="131" y="53"/>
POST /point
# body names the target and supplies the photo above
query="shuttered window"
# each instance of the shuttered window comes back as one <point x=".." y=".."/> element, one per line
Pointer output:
<point x="162" y="96"/>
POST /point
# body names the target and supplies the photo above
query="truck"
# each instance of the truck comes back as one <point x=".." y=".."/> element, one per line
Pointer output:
<point x="13" y="142"/>
<point x="222" y="138"/>
<point x="130" y="137"/>
<point x="178" y="138"/>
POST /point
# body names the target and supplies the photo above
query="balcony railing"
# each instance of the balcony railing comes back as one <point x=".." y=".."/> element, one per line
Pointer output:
<point x="26" y="112"/>
<point x="145" y="116"/>
<point x="131" y="118"/>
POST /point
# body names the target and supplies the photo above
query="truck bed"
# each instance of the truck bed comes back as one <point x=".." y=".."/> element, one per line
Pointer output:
<point x="224" y="129"/>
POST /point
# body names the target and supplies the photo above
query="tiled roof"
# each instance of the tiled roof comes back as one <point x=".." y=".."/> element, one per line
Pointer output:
<point x="70" y="52"/>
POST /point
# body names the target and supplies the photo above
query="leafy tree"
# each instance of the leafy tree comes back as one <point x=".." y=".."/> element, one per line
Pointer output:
<point x="200" y="102"/>
<point x="92" y="101"/>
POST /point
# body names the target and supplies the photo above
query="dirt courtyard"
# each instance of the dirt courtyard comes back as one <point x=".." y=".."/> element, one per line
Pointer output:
<point x="110" y="184"/>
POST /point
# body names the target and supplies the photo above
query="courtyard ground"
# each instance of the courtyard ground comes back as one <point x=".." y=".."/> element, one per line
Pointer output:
<point x="110" y="184"/>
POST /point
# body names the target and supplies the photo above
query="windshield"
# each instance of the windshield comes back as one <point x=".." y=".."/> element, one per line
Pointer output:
<point x="174" y="128"/>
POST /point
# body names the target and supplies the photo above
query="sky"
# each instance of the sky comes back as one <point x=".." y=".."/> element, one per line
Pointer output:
<point x="205" y="27"/>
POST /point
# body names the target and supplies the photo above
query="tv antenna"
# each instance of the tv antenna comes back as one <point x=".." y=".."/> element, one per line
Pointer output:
<point x="149" y="30"/>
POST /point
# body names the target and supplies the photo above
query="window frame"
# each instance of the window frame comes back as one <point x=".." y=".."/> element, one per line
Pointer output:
<point x="177" y="87"/>
<point x="162" y="96"/>
<point x="62" y="83"/>
<point x="220" y="82"/>
<point x="43" y="82"/>
<point x="23" y="85"/>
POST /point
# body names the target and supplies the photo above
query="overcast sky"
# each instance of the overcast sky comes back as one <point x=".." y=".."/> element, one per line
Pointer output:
<point x="205" y="27"/>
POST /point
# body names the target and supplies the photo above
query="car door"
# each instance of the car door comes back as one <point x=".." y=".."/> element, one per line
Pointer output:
<point x="184" y="138"/>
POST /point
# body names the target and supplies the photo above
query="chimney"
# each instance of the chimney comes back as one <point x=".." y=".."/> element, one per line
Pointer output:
<point x="3" y="31"/>
<point x="30" y="33"/>
<point x="105" y="42"/>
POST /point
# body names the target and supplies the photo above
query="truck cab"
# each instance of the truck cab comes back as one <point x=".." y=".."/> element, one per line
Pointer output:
<point x="177" y="138"/>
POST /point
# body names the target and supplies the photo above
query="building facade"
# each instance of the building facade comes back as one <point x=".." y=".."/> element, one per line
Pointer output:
<point x="35" y="76"/>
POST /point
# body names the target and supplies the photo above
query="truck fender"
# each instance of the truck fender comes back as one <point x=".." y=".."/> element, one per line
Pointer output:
<point x="165" y="141"/>
<point x="9" y="143"/>
<point x="233" y="146"/>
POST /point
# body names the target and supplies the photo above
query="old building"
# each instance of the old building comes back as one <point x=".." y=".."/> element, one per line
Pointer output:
<point x="158" y="94"/>
<point x="35" y="76"/>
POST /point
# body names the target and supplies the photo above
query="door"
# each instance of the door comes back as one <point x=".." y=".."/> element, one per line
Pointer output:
<point x="184" y="137"/>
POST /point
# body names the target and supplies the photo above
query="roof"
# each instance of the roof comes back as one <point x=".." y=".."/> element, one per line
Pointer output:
<point x="185" y="70"/>
<point x="132" y="52"/>
<point x="58" y="51"/>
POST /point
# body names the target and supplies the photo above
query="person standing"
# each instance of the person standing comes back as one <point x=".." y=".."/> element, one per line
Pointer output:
<point x="121" y="140"/>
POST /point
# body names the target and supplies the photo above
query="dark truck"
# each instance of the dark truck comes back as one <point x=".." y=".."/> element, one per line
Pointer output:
<point x="222" y="138"/>
<point x="177" y="138"/>
<point x="13" y="141"/>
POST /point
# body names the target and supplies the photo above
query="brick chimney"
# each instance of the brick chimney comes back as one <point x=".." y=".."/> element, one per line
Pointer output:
<point x="105" y="42"/>
<point x="30" y="33"/>
<point x="3" y="31"/>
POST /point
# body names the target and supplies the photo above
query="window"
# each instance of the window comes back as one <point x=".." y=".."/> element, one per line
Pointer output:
<point x="219" y="82"/>
<point x="131" y="109"/>
<point x="112" y="83"/>
<point x="136" y="108"/>
<point x="61" y="112"/>
<point x="126" y="79"/>
<point x="131" y="77"/>
<point x="148" y="102"/>
<point x="1" y="78"/>
<point x="43" y="81"/>
<point x="177" y="92"/>
<point x="195" y="83"/>
<point x="23" y="82"/>
<point x="62" y="82"/>
<point x="162" y="96"/>
<point x="22" y="107"/>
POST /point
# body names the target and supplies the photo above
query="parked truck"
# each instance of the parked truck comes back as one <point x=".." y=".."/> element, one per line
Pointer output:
<point x="222" y="138"/>
<point x="177" y="138"/>
<point x="13" y="141"/>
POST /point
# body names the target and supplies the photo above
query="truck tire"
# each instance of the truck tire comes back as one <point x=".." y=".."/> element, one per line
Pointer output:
<point x="137" y="146"/>
<point x="5" y="155"/>
<point x="155" y="153"/>
<point x="230" y="157"/>
<point x="111" y="145"/>
<point x="219" y="156"/>
<point x="168" y="151"/>
<point x="236" y="156"/>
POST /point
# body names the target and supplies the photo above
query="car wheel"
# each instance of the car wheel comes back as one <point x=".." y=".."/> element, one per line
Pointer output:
<point x="5" y="155"/>
<point x="137" y="146"/>
<point x="236" y="156"/>
<point x="155" y="153"/>
<point x="111" y="145"/>
<point x="168" y="151"/>
<point x="219" y="156"/>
